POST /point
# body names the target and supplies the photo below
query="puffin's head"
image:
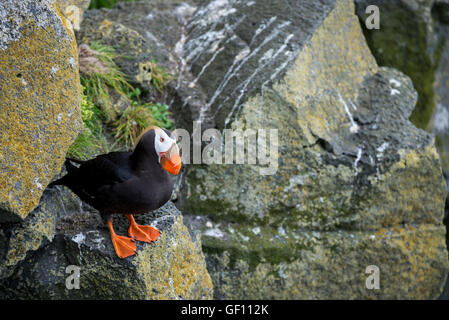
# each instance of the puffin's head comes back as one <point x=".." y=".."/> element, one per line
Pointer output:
<point x="165" y="146"/>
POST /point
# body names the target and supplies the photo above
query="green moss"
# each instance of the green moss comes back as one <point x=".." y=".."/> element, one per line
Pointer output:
<point x="96" y="4"/>
<point x="267" y="246"/>
<point x="92" y="140"/>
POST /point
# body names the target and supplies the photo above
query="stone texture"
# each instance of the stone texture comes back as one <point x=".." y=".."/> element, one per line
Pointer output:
<point x="171" y="268"/>
<point x="357" y="183"/>
<point x="37" y="230"/>
<point x="40" y="101"/>
<point x="411" y="37"/>
<point x="73" y="10"/>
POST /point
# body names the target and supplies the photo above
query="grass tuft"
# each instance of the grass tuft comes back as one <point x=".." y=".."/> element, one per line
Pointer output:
<point x="137" y="117"/>
<point x="101" y="85"/>
<point x="159" y="77"/>
<point x="92" y="140"/>
<point x="105" y="127"/>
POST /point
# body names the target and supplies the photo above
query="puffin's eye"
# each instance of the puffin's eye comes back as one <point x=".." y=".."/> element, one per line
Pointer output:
<point x="162" y="139"/>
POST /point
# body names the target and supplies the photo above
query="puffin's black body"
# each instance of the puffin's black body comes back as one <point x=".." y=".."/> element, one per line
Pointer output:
<point x="121" y="182"/>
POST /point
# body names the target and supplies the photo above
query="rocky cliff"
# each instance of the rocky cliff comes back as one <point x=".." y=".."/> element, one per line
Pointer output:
<point x="356" y="180"/>
<point x="355" y="186"/>
<point x="47" y="234"/>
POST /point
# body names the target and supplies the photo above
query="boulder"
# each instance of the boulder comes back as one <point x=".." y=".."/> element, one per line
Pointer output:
<point x="18" y="240"/>
<point x="171" y="268"/>
<point x="45" y="236"/>
<point x="356" y="184"/>
<point x="413" y="38"/>
<point x="410" y="38"/>
<point x="40" y="101"/>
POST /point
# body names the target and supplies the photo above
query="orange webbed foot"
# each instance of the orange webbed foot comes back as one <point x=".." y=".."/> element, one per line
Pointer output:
<point x="124" y="246"/>
<point x="142" y="233"/>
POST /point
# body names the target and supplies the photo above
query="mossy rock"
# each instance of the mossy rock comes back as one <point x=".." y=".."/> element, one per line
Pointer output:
<point x="138" y="48"/>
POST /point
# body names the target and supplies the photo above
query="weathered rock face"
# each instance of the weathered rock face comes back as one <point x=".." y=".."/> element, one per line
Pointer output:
<point x="40" y="101"/>
<point x="171" y="268"/>
<point x="413" y="38"/>
<point x="439" y="123"/>
<point x="38" y="229"/>
<point x="38" y="251"/>
<point x="410" y="38"/>
<point x="73" y="10"/>
<point x="356" y="185"/>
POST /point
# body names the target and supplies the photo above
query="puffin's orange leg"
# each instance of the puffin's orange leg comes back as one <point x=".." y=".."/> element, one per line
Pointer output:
<point x="141" y="233"/>
<point x="124" y="246"/>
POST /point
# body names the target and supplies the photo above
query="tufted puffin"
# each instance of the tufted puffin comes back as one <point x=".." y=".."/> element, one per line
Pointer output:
<point x="127" y="183"/>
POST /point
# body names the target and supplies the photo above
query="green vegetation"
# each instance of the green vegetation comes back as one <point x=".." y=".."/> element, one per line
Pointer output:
<point x="96" y="4"/>
<point x="113" y="111"/>
<point x="99" y="85"/>
<point x="137" y="117"/>
<point x="92" y="139"/>
<point x="159" y="77"/>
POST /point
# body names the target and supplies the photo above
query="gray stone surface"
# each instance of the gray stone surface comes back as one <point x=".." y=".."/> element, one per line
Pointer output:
<point x="171" y="268"/>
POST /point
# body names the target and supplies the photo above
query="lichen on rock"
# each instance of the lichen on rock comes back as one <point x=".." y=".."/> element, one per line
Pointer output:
<point x="40" y="114"/>
<point x="350" y="162"/>
<point x="171" y="268"/>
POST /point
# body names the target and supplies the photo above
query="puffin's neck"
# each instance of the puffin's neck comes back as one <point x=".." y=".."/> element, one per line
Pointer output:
<point x="146" y="163"/>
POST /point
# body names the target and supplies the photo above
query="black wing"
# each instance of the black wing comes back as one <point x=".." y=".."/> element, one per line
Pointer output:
<point x="107" y="169"/>
<point x="92" y="178"/>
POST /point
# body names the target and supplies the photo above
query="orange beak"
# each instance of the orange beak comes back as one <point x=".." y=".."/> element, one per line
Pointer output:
<point x="172" y="164"/>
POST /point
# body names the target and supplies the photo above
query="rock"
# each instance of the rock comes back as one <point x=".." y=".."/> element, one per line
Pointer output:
<point x="439" y="123"/>
<point x="61" y="234"/>
<point x="73" y="10"/>
<point x="36" y="231"/>
<point x="356" y="184"/>
<point x="40" y="114"/>
<point x="171" y="268"/>
<point x="411" y="36"/>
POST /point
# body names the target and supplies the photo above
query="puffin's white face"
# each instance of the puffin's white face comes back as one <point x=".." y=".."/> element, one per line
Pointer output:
<point x="162" y="142"/>
<point x="167" y="151"/>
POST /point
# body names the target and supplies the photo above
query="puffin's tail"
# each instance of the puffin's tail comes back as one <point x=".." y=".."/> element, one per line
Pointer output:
<point x="70" y="169"/>
<point x="58" y="182"/>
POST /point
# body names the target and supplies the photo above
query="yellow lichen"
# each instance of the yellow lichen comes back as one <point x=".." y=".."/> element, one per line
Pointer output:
<point x="174" y="267"/>
<point x="40" y="114"/>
